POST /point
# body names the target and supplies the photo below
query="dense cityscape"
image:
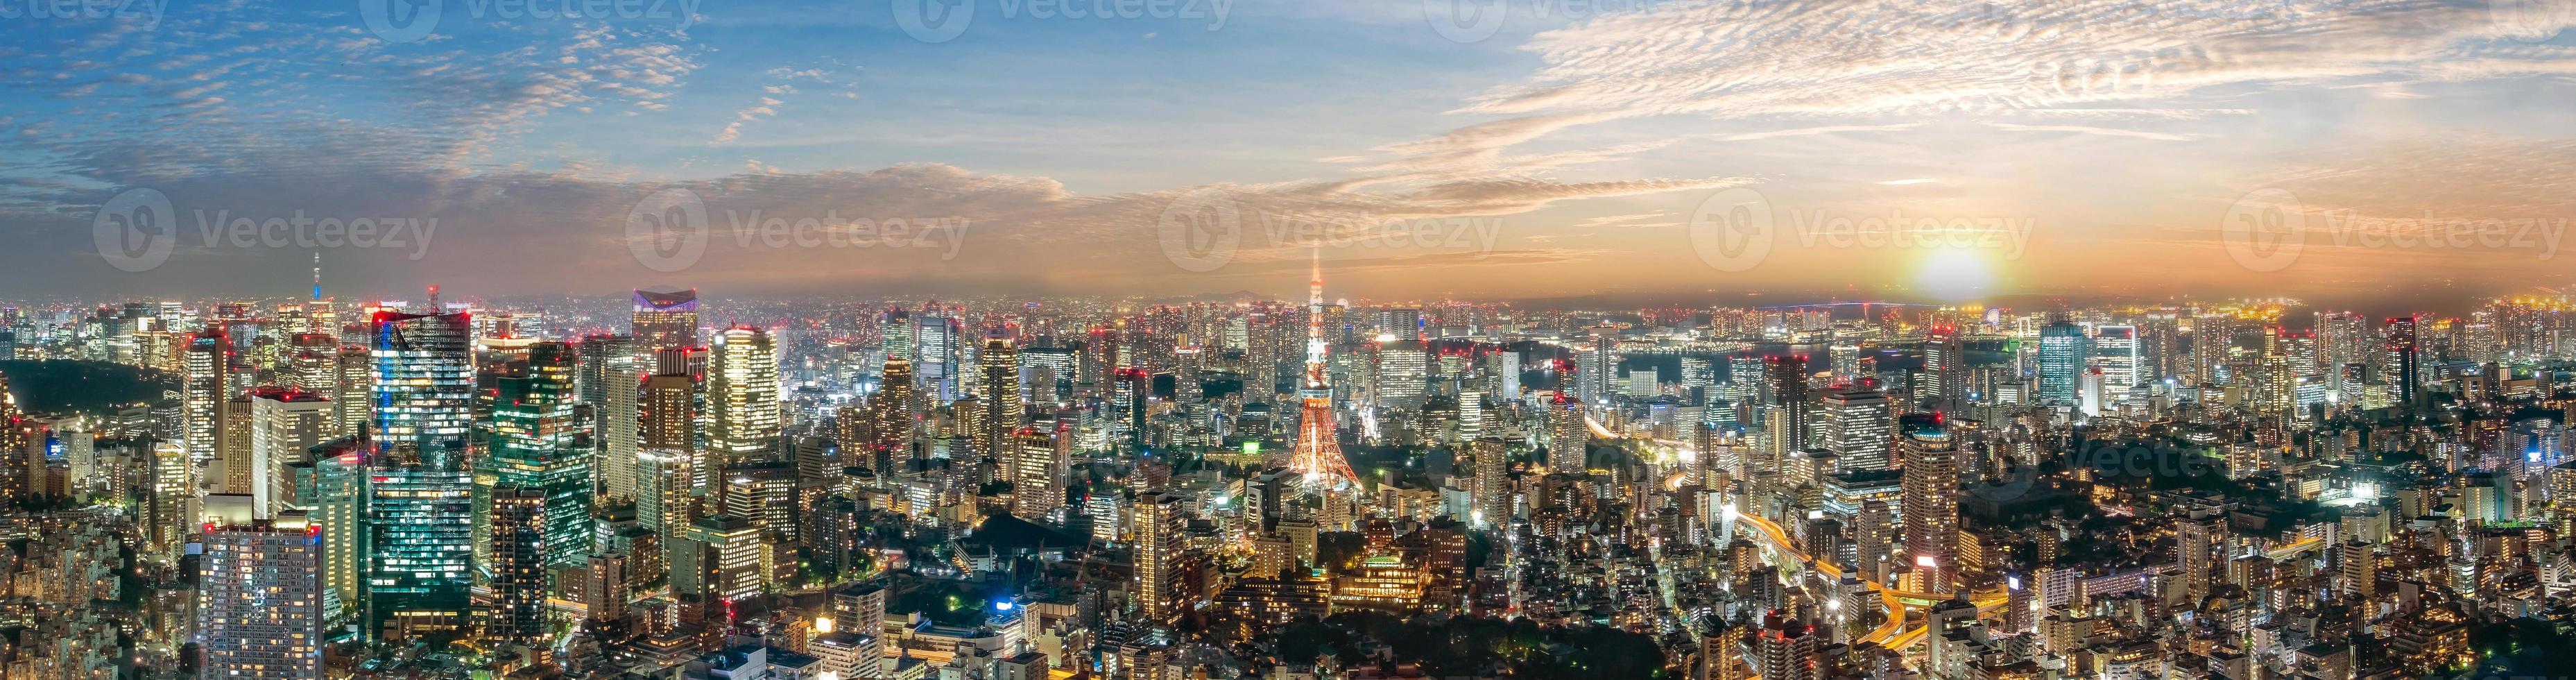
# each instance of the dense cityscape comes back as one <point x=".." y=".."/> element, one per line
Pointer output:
<point x="675" y="487"/>
<point x="1287" y="340"/>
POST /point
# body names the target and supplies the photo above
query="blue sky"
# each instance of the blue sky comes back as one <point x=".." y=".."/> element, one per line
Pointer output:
<point x="2051" y="146"/>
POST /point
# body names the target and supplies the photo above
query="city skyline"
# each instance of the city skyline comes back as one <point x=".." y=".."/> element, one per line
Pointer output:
<point x="2094" y="148"/>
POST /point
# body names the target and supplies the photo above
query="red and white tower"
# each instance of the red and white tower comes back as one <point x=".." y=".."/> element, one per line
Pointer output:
<point x="1317" y="452"/>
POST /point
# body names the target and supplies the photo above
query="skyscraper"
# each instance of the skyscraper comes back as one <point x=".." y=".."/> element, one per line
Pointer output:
<point x="999" y="383"/>
<point x="1159" y="528"/>
<point x="2399" y="351"/>
<point x="259" y="600"/>
<point x="610" y="385"/>
<point x="2062" y="357"/>
<point x="420" y="503"/>
<point x="1945" y="367"/>
<point x="664" y="319"/>
<point x="742" y="386"/>
<point x="205" y="396"/>
<point x="520" y="547"/>
<point x="534" y="450"/>
<point x="1855" y="425"/>
<point x="1931" y="499"/>
<point x="2115" y="350"/>
<point x="1039" y="461"/>
<point x="1784" y="379"/>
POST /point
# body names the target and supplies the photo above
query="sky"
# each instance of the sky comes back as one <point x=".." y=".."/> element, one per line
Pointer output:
<point x="1647" y="149"/>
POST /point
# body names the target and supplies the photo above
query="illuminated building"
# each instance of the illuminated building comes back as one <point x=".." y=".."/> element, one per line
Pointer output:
<point x="259" y="600"/>
<point x="2062" y="356"/>
<point x="534" y="449"/>
<point x="1382" y="582"/>
<point x="664" y="319"/>
<point x="1855" y="424"/>
<point x="1931" y="503"/>
<point x="1159" y="525"/>
<point x="742" y="386"/>
<point x="420" y="500"/>
<point x="1945" y="367"/>
<point x="1039" y="462"/>
<point x="519" y="555"/>
<point x="999" y="383"/>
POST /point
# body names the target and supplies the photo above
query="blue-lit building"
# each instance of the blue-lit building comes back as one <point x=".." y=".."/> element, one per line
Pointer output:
<point x="420" y="487"/>
<point x="2063" y="351"/>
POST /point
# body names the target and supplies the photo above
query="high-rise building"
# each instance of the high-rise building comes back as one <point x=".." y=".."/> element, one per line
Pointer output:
<point x="1784" y="382"/>
<point x="520" y="548"/>
<point x="205" y="397"/>
<point x="535" y="449"/>
<point x="1856" y="425"/>
<point x="332" y="490"/>
<point x="743" y="389"/>
<point x="1402" y="367"/>
<point x="2115" y="351"/>
<point x="2400" y="349"/>
<point x="259" y="599"/>
<point x="420" y="505"/>
<point x="610" y="385"/>
<point x="284" y="423"/>
<point x="1569" y="440"/>
<point x="1039" y="462"/>
<point x="2063" y="354"/>
<point x="667" y="413"/>
<point x="1945" y="367"/>
<point x="999" y="383"/>
<point x="664" y="319"/>
<point x="892" y="413"/>
<point x="1931" y="499"/>
<point x="172" y="510"/>
<point x="2197" y="537"/>
<point x="1492" y="494"/>
<point x="1159" y="529"/>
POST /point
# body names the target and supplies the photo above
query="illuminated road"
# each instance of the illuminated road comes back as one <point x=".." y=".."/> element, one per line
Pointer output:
<point x="1896" y="603"/>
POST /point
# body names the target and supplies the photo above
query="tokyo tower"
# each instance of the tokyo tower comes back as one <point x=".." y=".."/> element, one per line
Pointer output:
<point x="1317" y="453"/>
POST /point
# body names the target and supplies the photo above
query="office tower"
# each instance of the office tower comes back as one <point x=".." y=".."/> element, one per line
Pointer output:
<point x="664" y="319"/>
<point x="1856" y="425"/>
<point x="1402" y="368"/>
<point x="520" y="548"/>
<point x="1492" y="495"/>
<point x="610" y="386"/>
<point x="742" y="386"/>
<point x="2159" y="347"/>
<point x="1039" y="462"/>
<point x="731" y="559"/>
<point x="2212" y="335"/>
<point x="204" y="396"/>
<point x="1931" y="499"/>
<point x="1784" y="382"/>
<point x="2197" y="537"/>
<point x="1944" y="379"/>
<point x="535" y="450"/>
<point x="893" y="413"/>
<point x="332" y="490"/>
<point x="1316" y="453"/>
<point x="2116" y="352"/>
<point x="1569" y="439"/>
<point x="1596" y="364"/>
<point x="2275" y="379"/>
<point x="1159" y="528"/>
<point x="314" y="367"/>
<point x="1643" y="383"/>
<point x="354" y="402"/>
<point x="259" y="598"/>
<point x="936" y="353"/>
<point x="1503" y="375"/>
<point x="173" y="507"/>
<point x="2360" y="570"/>
<point x="999" y="383"/>
<point x="284" y="423"/>
<point x="666" y="415"/>
<point x="2342" y="338"/>
<point x="2398" y="353"/>
<point x="420" y="503"/>
<point x="2062" y="358"/>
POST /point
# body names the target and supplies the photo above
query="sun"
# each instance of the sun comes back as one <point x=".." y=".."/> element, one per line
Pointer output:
<point x="1954" y="274"/>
